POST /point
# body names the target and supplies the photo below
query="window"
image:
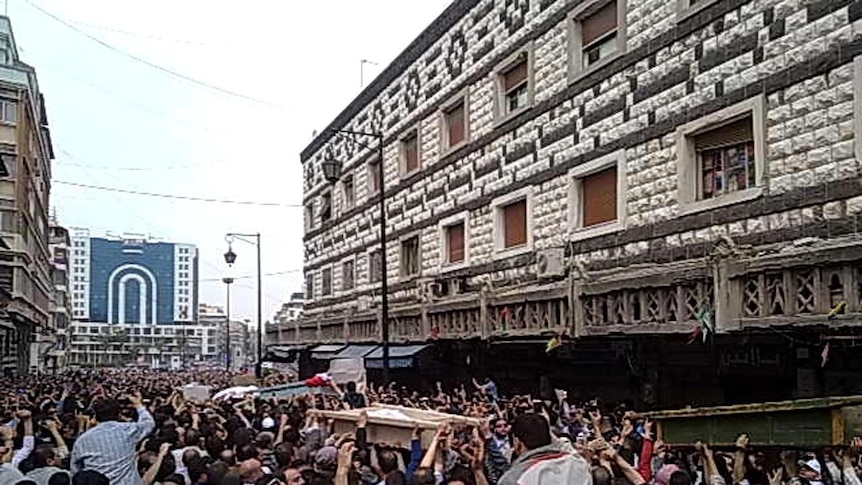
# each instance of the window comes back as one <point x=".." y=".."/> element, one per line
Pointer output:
<point x="309" y="287"/>
<point x="454" y="129"/>
<point x="513" y="84"/>
<point x="410" y="256"/>
<point x="455" y="243"/>
<point x="349" y="191"/>
<point x="410" y="153"/>
<point x="347" y="275"/>
<point x="326" y="206"/>
<point x="8" y="111"/>
<point x="725" y="158"/>
<point x="374" y="176"/>
<point x="375" y="266"/>
<point x="327" y="282"/>
<point x="722" y="157"/>
<point x="515" y="224"/>
<point x="597" y="33"/>
<point x="309" y="215"/>
<point x="597" y="201"/>
<point x="512" y="223"/>
<point x="686" y="8"/>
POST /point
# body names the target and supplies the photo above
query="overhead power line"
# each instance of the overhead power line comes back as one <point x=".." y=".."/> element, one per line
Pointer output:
<point x="250" y="276"/>
<point x="173" y="196"/>
<point x="151" y="64"/>
<point x="146" y="36"/>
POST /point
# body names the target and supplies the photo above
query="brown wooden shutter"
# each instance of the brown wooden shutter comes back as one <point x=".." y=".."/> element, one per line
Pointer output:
<point x="515" y="221"/>
<point x="734" y="133"/>
<point x="374" y="175"/>
<point x="456" y="243"/>
<point x="455" y="120"/>
<point x="515" y="76"/>
<point x="599" y="197"/>
<point x="411" y="153"/>
<point x="599" y="23"/>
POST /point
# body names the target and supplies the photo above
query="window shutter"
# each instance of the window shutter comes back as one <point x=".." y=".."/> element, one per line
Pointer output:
<point x="515" y="221"/>
<point x="599" y="197"/>
<point x="374" y="176"/>
<point x="455" y="120"/>
<point x="411" y="153"/>
<point x="599" y="23"/>
<point x="515" y="76"/>
<point x="456" y="243"/>
<point x="734" y="133"/>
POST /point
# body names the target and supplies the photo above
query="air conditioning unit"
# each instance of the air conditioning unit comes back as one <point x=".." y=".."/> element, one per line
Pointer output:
<point x="363" y="303"/>
<point x="550" y="263"/>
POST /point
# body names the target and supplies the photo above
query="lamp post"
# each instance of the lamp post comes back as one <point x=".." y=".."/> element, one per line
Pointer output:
<point x="332" y="173"/>
<point x="230" y="259"/>
<point x="227" y="282"/>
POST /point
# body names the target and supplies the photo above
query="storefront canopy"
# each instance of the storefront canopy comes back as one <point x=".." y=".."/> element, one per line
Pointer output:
<point x="399" y="357"/>
<point x="325" y="351"/>
<point x="355" y="351"/>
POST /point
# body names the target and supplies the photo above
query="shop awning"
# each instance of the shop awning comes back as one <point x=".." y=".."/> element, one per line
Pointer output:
<point x="283" y="353"/>
<point x="399" y="357"/>
<point x="325" y="351"/>
<point x="355" y="351"/>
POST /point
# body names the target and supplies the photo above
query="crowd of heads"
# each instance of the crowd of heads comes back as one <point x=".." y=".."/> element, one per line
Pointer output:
<point x="136" y="426"/>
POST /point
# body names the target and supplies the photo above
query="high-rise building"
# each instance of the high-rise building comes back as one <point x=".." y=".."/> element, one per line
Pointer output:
<point x="25" y="174"/>
<point x="134" y="301"/>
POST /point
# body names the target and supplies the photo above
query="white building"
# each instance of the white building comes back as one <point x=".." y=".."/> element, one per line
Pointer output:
<point x="214" y="317"/>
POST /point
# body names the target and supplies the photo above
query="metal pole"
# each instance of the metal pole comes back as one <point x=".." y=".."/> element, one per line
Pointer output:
<point x="259" y="367"/>
<point x="227" y="350"/>
<point x="383" y="281"/>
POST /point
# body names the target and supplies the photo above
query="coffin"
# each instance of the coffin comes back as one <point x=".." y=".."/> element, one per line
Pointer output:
<point x="800" y="423"/>
<point x="394" y="424"/>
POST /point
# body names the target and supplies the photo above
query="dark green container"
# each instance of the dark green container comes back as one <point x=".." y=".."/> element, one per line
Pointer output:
<point x="800" y="423"/>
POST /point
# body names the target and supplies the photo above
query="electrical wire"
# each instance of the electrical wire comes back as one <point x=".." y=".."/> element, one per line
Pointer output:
<point x="249" y="276"/>
<point x="152" y="65"/>
<point x="173" y="196"/>
<point x="146" y="36"/>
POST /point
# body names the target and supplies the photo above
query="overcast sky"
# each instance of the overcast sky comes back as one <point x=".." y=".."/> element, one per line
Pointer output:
<point x="119" y="123"/>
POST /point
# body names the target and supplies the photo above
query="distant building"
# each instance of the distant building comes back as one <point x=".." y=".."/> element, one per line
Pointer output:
<point x="25" y="173"/>
<point x="213" y="317"/>
<point x="49" y="348"/>
<point x="282" y="328"/>
<point x="134" y="301"/>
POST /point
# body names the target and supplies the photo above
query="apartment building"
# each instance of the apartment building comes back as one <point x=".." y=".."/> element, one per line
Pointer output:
<point x="669" y="188"/>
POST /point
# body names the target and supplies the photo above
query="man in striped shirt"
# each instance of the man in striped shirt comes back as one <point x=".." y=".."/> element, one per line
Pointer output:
<point x="109" y="448"/>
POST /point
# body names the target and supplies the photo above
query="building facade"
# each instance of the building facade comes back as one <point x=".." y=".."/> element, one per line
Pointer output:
<point x="628" y="174"/>
<point x="284" y="322"/>
<point x="25" y="185"/>
<point x="240" y="337"/>
<point x="48" y="351"/>
<point x="139" y="289"/>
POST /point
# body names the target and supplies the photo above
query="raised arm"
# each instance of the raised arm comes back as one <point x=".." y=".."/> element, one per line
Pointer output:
<point x="145" y="423"/>
<point x="29" y="441"/>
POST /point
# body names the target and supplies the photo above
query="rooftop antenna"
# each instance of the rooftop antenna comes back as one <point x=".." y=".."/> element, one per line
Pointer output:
<point x="362" y="64"/>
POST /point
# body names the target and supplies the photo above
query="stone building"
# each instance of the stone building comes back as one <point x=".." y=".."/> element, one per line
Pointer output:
<point x="672" y="187"/>
<point x="25" y="186"/>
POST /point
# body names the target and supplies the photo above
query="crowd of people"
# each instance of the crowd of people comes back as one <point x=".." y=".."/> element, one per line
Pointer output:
<point x="133" y="427"/>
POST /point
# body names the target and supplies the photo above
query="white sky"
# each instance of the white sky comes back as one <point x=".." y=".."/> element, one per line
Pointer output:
<point x="111" y="116"/>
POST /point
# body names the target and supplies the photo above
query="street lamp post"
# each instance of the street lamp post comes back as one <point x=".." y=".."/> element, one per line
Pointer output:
<point x="227" y="351"/>
<point x="230" y="259"/>
<point x="332" y="172"/>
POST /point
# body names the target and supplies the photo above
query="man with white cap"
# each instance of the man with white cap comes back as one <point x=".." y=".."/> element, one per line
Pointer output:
<point x="811" y="470"/>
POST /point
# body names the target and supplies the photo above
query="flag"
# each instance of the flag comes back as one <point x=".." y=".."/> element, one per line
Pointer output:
<point x="697" y="332"/>
<point x="319" y="380"/>
<point x="825" y="355"/>
<point x="836" y="310"/>
<point x="553" y="344"/>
